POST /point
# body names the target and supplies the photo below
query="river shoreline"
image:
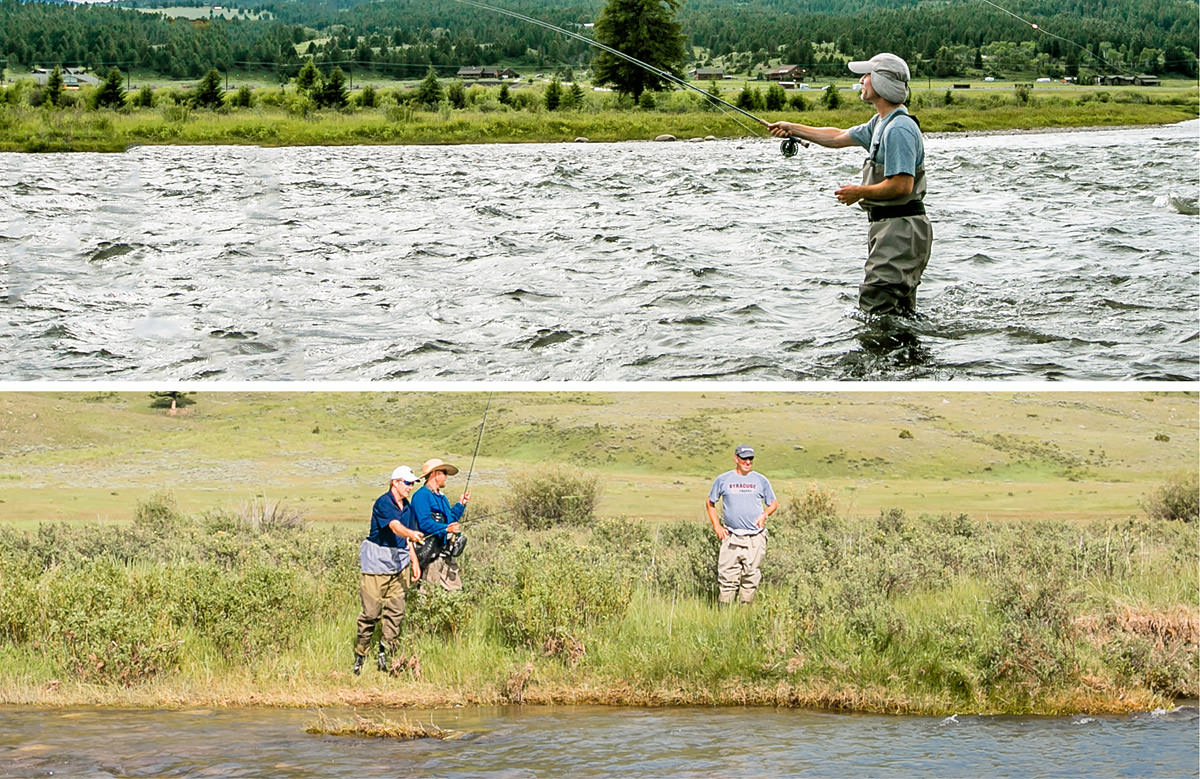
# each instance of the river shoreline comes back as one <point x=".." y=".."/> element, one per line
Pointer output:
<point x="25" y="129"/>
<point x="423" y="697"/>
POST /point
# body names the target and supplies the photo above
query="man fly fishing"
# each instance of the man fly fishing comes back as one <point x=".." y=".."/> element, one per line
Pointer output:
<point x="900" y="237"/>
<point x="438" y="520"/>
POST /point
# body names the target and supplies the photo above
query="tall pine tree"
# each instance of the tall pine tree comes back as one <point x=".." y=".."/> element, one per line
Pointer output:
<point x="645" y="30"/>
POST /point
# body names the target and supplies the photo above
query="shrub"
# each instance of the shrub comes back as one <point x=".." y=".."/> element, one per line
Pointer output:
<point x="243" y="98"/>
<point x="260" y="515"/>
<point x="831" y="98"/>
<point x="684" y="559"/>
<point x="1178" y="499"/>
<point x="554" y="594"/>
<point x="368" y="98"/>
<point x="814" y="504"/>
<point x="144" y="98"/>
<point x="553" y="497"/>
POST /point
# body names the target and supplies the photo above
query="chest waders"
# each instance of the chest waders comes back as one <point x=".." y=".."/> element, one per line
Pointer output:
<point x="899" y="239"/>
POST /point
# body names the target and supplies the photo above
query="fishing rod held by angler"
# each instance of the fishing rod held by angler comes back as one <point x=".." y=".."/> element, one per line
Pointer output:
<point x="789" y="145"/>
<point x="478" y="440"/>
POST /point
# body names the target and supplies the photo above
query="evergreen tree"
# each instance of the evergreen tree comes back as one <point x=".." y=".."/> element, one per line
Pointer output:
<point x="309" y="78"/>
<point x="244" y="97"/>
<point x="54" y="87"/>
<point x="776" y="98"/>
<point x="144" y="97"/>
<point x="832" y="99"/>
<point x="645" y="30"/>
<point x="575" y="96"/>
<point x="553" y="95"/>
<point x="368" y="97"/>
<point x="505" y="98"/>
<point x="333" y="93"/>
<point x="209" y="93"/>
<point x="749" y="99"/>
<point x="429" y="93"/>
<point x="112" y="92"/>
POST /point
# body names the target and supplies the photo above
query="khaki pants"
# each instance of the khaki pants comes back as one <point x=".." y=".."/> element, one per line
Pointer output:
<point x="737" y="567"/>
<point x="383" y="598"/>
<point x="443" y="571"/>
<point x="897" y="252"/>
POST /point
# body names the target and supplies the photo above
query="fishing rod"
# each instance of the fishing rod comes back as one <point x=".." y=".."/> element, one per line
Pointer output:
<point x="789" y="145"/>
<point x="482" y="425"/>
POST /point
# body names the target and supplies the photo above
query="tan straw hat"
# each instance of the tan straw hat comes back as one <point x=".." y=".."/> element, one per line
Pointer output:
<point x="437" y="465"/>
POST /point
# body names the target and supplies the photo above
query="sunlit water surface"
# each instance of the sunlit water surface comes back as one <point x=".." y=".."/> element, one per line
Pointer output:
<point x="1057" y="256"/>
<point x="593" y="741"/>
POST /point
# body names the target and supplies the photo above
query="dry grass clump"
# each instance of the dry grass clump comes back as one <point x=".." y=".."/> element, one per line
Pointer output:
<point x="380" y="727"/>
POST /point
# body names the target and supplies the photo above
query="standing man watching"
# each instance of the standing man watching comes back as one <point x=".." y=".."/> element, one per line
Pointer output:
<point x="437" y="519"/>
<point x="900" y="237"/>
<point x="743" y="493"/>
<point x="385" y="557"/>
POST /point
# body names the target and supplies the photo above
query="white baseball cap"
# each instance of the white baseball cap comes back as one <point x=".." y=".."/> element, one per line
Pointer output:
<point x="404" y="474"/>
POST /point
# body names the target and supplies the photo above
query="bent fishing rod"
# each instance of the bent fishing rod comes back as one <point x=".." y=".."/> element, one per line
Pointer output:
<point x="790" y="143"/>
<point x="478" y="440"/>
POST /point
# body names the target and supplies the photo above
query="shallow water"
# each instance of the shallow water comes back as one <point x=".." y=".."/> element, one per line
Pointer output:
<point x="595" y="741"/>
<point x="1057" y="256"/>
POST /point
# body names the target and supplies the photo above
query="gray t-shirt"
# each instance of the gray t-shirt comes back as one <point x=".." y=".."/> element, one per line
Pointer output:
<point x="901" y="149"/>
<point x="742" y="499"/>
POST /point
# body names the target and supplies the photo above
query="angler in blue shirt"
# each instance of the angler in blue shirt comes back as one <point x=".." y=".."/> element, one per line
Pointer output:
<point x="437" y="519"/>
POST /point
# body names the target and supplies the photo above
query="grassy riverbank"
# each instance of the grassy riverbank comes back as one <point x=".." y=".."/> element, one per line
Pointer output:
<point x="889" y="613"/>
<point x="874" y="598"/>
<point x="46" y="128"/>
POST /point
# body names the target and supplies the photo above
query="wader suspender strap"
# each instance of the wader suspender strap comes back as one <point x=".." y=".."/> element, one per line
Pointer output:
<point x="877" y="141"/>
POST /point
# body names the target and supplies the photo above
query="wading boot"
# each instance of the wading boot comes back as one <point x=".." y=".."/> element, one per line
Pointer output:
<point x="358" y="663"/>
<point x="382" y="660"/>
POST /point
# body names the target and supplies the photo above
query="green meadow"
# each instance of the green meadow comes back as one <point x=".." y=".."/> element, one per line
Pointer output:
<point x="935" y="551"/>
<point x="284" y="117"/>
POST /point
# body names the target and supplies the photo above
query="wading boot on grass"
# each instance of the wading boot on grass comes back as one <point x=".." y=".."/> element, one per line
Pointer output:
<point x="358" y="664"/>
<point x="382" y="660"/>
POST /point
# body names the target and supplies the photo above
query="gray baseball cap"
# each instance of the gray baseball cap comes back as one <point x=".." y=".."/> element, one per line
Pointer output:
<point x="743" y="451"/>
<point x="889" y="76"/>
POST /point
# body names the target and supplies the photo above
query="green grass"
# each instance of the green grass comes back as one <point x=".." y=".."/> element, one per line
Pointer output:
<point x="999" y="559"/>
<point x="1064" y="456"/>
<point x="935" y="614"/>
<point x="281" y="118"/>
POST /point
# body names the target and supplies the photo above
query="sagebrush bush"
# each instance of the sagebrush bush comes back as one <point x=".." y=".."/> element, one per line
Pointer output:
<point x="1176" y="500"/>
<point x="553" y="497"/>
<point x="555" y="593"/>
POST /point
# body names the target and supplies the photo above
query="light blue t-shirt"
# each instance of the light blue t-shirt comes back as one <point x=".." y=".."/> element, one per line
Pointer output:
<point x="901" y="148"/>
<point x="742" y="499"/>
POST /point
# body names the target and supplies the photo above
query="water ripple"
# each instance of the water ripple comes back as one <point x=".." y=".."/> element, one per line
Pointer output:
<point x="632" y="261"/>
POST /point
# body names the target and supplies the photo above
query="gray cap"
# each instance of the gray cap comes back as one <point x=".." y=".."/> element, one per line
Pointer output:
<point x="743" y="451"/>
<point x="889" y="76"/>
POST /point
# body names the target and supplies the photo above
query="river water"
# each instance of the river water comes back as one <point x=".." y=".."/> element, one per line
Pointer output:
<point x="1058" y="256"/>
<point x="595" y="741"/>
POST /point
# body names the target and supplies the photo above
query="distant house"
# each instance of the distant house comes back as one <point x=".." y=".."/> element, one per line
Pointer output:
<point x="489" y="72"/>
<point x="1114" y="81"/>
<point x="786" y="73"/>
<point x="73" y="78"/>
<point x="709" y="74"/>
<point x="1146" y="81"/>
